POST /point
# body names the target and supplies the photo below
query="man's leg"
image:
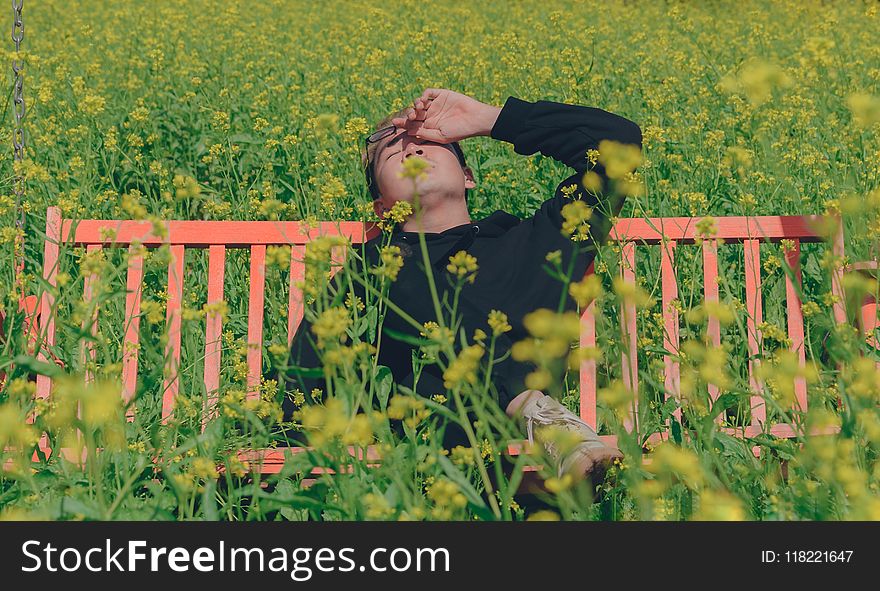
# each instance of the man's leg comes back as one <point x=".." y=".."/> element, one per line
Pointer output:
<point x="590" y="457"/>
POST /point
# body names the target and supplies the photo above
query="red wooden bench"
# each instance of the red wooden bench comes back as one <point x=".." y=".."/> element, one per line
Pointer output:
<point x="634" y="235"/>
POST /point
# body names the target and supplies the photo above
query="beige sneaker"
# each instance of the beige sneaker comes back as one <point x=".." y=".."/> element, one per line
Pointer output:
<point x="588" y="457"/>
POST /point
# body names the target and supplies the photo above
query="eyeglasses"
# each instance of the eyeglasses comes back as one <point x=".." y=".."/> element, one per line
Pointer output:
<point x="380" y="135"/>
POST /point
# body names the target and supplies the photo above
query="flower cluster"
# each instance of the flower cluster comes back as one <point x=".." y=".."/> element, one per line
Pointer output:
<point x="463" y="369"/>
<point x="463" y="265"/>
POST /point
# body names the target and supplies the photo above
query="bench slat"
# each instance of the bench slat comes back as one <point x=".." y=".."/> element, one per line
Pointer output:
<point x="629" y="355"/>
<point x="47" y="309"/>
<point x="171" y="384"/>
<point x="669" y="282"/>
<point x="838" y="308"/>
<point x="213" y="329"/>
<point x="796" y="320"/>
<point x="133" y="287"/>
<point x="202" y="233"/>
<point x="710" y="290"/>
<point x="255" y="319"/>
<point x="732" y="228"/>
<point x="295" y="304"/>
<point x="754" y="317"/>
<point x="90" y="325"/>
<point x="588" y="366"/>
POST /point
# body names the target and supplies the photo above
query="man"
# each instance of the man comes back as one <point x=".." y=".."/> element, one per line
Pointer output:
<point x="511" y="253"/>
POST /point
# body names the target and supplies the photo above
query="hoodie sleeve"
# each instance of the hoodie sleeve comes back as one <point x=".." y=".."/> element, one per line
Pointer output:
<point x="565" y="133"/>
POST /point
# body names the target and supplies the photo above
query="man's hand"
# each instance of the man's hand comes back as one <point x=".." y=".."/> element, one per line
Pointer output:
<point x="444" y="116"/>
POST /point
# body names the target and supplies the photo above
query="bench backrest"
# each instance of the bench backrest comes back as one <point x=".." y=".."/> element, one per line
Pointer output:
<point x="217" y="237"/>
<point x="667" y="234"/>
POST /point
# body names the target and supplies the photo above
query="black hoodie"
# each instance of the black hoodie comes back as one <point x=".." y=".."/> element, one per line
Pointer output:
<point x="510" y="252"/>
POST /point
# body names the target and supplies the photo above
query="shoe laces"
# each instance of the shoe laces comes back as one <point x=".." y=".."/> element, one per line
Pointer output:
<point x="551" y="414"/>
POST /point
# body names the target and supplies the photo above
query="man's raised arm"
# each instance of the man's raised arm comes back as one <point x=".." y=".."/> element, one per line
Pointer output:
<point x="566" y="133"/>
<point x="560" y="131"/>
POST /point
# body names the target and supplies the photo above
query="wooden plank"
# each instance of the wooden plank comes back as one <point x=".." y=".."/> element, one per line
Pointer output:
<point x="754" y="317"/>
<point x="47" y="307"/>
<point x="796" y="320"/>
<point x="255" y="319"/>
<point x="171" y="385"/>
<point x="202" y="233"/>
<point x="588" y="366"/>
<point x="629" y="355"/>
<point x="295" y="304"/>
<point x="669" y="284"/>
<point x="710" y="289"/>
<point x="213" y="330"/>
<point x="90" y="325"/>
<point x="133" y="288"/>
<point x="839" y="307"/>
<point x="732" y="229"/>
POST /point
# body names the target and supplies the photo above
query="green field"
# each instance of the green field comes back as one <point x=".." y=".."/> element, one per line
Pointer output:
<point x="257" y="111"/>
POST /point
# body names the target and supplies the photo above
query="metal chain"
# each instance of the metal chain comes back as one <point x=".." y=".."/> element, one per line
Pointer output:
<point x="18" y="142"/>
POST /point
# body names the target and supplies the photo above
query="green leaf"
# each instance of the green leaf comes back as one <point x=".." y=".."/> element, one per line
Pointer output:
<point x="676" y="430"/>
<point x="384" y="381"/>
<point x="406" y="338"/>
<point x="39" y="367"/>
<point x="657" y="350"/>
<point x="69" y="507"/>
<point x="209" y="503"/>
<point x="373" y="323"/>
<point x="463" y="483"/>
<point x="725" y="401"/>
<point x="305" y="371"/>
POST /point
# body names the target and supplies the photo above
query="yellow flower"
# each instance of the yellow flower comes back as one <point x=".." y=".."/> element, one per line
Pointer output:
<point x="463" y="369"/>
<point x="407" y="408"/>
<point x="631" y="292"/>
<point x="463" y="265"/>
<point x="278" y="256"/>
<point x="326" y="122"/>
<point x="101" y="403"/>
<point x="462" y="456"/>
<point x="865" y="109"/>
<point x="706" y="228"/>
<point x="413" y="168"/>
<point x="13" y="429"/>
<point x="617" y="397"/>
<point x="204" y="468"/>
<point x="670" y="460"/>
<point x="399" y="212"/>
<point x="498" y="322"/>
<point x="756" y="79"/>
<point x="719" y="506"/>
<point x="186" y="187"/>
<point x="543" y="515"/>
<point x="619" y="159"/>
<point x="575" y="224"/>
<point x="558" y="484"/>
<point x="587" y="290"/>
<point x="377" y="507"/>
<point x="331" y="325"/>
<point x="392" y="262"/>
<point x="355" y="129"/>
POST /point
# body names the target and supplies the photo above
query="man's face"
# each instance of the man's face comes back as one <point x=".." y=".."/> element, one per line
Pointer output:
<point x="445" y="178"/>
